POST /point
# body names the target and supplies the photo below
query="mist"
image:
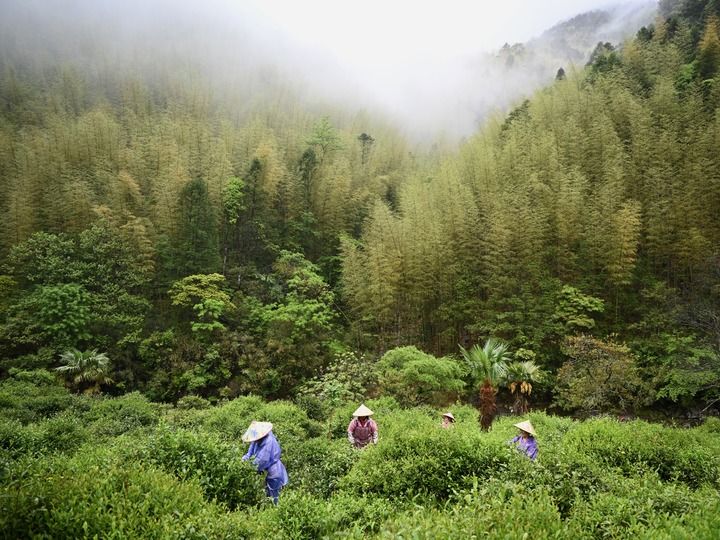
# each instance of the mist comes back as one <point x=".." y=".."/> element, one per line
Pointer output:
<point x="433" y="70"/>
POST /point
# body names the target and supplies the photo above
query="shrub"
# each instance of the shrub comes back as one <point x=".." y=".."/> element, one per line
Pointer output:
<point x="702" y="522"/>
<point x="317" y="465"/>
<point x="62" y="433"/>
<point x="341" y="417"/>
<point x="29" y="402"/>
<point x="97" y="496"/>
<point x="599" y="376"/>
<point x="347" y="378"/>
<point x="638" y="447"/>
<point x="636" y="505"/>
<point x="215" y="465"/>
<point x="416" y="457"/>
<point x="301" y="516"/>
<point x="415" y="377"/>
<point x="710" y="425"/>
<point x="289" y="421"/>
<point x="496" y="511"/>
<point x="114" y="416"/>
<point x="192" y="402"/>
<point x="38" y="377"/>
<point x="16" y="439"/>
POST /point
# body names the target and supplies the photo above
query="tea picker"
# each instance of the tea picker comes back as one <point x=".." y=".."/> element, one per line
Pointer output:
<point x="265" y="453"/>
<point x="362" y="429"/>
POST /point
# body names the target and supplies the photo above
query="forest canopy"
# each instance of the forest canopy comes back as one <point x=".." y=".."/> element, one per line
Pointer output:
<point x="214" y="249"/>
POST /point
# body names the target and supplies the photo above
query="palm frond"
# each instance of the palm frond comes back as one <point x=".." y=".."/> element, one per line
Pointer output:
<point x="487" y="363"/>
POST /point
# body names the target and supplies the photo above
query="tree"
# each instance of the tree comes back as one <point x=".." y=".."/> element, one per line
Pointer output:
<point x="520" y="379"/>
<point x="347" y="378"/>
<point x="709" y="49"/>
<point x="197" y="241"/>
<point x="88" y="369"/>
<point x="488" y="368"/>
<point x="111" y="271"/>
<point x="689" y="371"/>
<point x="623" y="243"/>
<point x="54" y="317"/>
<point x="575" y="310"/>
<point x="366" y="142"/>
<point x="233" y="204"/>
<point x="599" y="376"/>
<point x="416" y="378"/>
<point x="202" y="293"/>
<point x="324" y="137"/>
<point x="299" y="328"/>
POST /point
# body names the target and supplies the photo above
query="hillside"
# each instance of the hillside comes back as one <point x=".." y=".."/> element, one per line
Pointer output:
<point x="193" y="239"/>
<point x="216" y="250"/>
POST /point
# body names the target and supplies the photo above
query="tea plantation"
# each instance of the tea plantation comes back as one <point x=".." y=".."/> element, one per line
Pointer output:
<point x="88" y="467"/>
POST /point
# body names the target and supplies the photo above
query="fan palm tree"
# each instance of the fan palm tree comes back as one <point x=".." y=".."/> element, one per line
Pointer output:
<point x="488" y="366"/>
<point x="519" y="379"/>
<point x="88" y="369"/>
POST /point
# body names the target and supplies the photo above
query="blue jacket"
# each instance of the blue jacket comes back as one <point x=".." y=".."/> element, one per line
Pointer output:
<point x="265" y="454"/>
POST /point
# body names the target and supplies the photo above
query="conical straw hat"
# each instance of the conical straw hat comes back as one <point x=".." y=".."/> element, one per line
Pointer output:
<point x="449" y="415"/>
<point x="362" y="410"/>
<point x="527" y="427"/>
<point x="256" y="431"/>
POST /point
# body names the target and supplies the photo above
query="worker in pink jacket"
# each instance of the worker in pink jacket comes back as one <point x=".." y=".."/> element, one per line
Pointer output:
<point x="362" y="430"/>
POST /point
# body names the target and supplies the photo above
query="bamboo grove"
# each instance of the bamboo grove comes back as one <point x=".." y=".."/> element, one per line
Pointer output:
<point x="591" y="208"/>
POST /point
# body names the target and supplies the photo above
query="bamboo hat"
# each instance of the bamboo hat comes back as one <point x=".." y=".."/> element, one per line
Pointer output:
<point x="256" y="431"/>
<point x="449" y="415"/>
<point x="527" y="427"/>
<point x="362" y="410"/>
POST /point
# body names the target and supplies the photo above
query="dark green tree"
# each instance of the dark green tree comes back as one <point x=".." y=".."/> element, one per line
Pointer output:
<point x="197" y="248"/>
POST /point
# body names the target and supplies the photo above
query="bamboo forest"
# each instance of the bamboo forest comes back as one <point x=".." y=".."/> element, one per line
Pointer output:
<point x="256" y="284"/>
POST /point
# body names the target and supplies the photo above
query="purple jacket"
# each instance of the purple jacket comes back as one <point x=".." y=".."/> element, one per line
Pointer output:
<point x="528" y="445"/>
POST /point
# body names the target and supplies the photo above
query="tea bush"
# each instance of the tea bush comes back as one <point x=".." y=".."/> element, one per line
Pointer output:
<point x="123" y="467"/>
<point x="703" y="522"/>
<point x="636" y="505"/>
<point x="417" y="457"/>
<point x="710" y="425"/>
<point x="637" y="447"/>
<point x="112" y="417"/>
<point x="232" y="419"/>
<point x="215" y="465"/>
<point x="62" y="433"/>
<point x="95" y="495"/>
<point x="38" y="377"/>
<point x="302" y="516"/>
<point x="512" y="512"/>
<point x="28" y="401"/>
<point x="318" y="464"/>
<point x="193" y="402"/>
<point x="17" y="440"/>
<point x="341" y="417"/>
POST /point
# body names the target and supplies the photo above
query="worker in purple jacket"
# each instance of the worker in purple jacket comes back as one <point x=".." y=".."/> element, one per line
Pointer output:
<point x="525" y="442"/>
<point x="362" y="429"/>
<point x="265" y="453"/>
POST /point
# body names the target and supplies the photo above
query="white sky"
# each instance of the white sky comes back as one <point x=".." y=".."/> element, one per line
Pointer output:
<point x="389" y="49"/>
<point x="385" y="32"/>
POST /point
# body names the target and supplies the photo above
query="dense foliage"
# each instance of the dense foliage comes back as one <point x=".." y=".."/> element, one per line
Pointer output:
<point x="211" y="255"/>
<point x="209" y="250"/>
<point x="119" y="467"/>
<point x="591" y="208"/>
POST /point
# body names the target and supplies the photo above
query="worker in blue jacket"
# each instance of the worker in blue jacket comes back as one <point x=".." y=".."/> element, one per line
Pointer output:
<point x="265" y="453"/>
